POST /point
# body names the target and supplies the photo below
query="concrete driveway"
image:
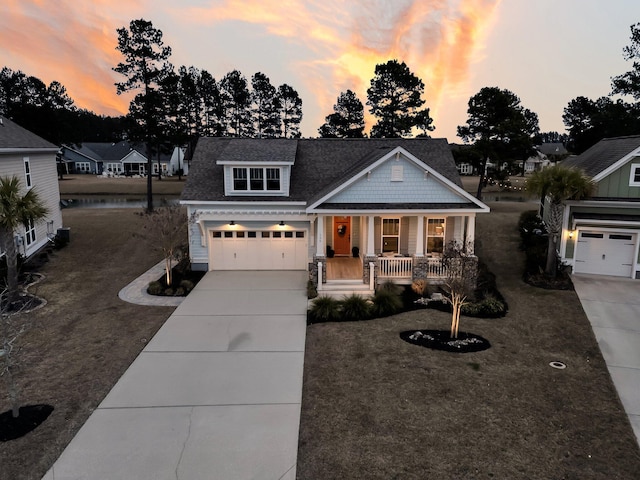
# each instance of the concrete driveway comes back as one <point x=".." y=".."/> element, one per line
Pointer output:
<point x="612" y="305"/>
<point x="215" y="394"/>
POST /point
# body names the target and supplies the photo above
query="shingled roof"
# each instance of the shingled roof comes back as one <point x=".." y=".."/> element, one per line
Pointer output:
<point x="603" y="154"/>
<point x="320" y="164"/>
<point x="13" y="136"/>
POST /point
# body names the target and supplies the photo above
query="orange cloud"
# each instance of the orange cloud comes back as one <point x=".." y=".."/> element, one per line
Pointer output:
<point x="436" y="38"/>
<point x="68" y="41"/>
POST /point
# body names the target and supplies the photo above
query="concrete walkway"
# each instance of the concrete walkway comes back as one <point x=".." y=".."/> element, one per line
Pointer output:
<point x="612" y="305"/>
<point x="215" y="394"/>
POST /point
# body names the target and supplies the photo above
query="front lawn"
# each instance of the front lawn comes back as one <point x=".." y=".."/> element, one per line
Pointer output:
<point x="377" y="407"/>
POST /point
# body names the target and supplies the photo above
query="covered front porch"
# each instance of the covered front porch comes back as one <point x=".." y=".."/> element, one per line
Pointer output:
<point x="373" y="249"/>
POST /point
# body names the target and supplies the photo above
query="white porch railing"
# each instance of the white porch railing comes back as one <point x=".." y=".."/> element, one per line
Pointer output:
<point x="435" y="269"/>
<point x="402" y="267"/>
<point x="395" y="267"/>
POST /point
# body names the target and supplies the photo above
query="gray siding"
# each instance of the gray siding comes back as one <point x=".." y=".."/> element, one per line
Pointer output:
<point x="616" y="184"/>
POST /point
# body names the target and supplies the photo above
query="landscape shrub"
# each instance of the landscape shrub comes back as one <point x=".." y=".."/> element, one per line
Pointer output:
<point x="386" y="302"/>
<point x="155" y="288"/>
<point x="324" y="309"/>
<point x="354" y="307"/>
<point x="390" y="286"/>
<point x="312" y="291"/>
<point x="186" y="286"/>
<point x="488" y="307"/>
<point x="169" y="292"/>
<point x="180" y="292"/>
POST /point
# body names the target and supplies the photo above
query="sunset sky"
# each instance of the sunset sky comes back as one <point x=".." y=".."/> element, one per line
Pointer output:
<point x="545" y="51"/>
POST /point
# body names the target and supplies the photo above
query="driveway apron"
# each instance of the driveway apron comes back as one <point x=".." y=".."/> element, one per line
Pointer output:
<point x="215" y="394"/>
<point x="612" y="305"/>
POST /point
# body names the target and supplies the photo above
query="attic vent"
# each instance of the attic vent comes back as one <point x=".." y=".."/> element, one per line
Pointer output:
<point x="396" y="173"/>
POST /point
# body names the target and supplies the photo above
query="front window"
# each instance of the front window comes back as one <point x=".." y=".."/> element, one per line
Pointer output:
<point x="30" y="233"/>
<point x="390" y="235"/>
<point x="256" y="179"/>
<point x="634" y="177"/>
<point x="27" y="172"/>
<point x="435" y="235"/>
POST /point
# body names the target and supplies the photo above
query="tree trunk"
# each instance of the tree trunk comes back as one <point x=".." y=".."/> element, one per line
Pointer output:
<point x="11" y="255"/>
<point x="554" y="227"/>
<point x="167" y="266"/>
<point x="149" y="187"/>
<point x="483" y="171"/>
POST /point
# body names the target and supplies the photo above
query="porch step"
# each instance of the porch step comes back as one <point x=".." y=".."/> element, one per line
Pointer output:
<point x="340" y="288"/>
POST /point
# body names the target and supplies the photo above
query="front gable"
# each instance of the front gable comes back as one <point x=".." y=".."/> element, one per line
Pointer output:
<point x="398" y="180"/>
<point x="134" y="157"/>
<point x="622" y="179"/>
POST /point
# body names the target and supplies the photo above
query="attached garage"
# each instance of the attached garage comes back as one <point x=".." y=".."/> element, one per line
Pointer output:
<point x="605" y="253"/>
<point x="258" y="250"/>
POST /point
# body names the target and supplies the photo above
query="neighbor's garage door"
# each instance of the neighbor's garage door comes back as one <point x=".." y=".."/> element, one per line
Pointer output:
<point x="258" y="250"/>
<point x="605" y="253"/>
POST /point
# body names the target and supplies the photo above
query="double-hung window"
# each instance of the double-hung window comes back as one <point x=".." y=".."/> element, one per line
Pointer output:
<point x="435" y="235"/>
<point x="256" y="179"/>
<point x="390" y="235"/>
<point x="27" y="172"/>
<point x="30" y="231"/>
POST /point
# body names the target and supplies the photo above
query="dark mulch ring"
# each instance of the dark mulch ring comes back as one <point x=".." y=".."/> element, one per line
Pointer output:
<point x="25" y="303"/>
<point x="29" y="418"/>
<point x="441" y="340"/>
<point x="562" y="281"/>
<point x="180" y="273"/>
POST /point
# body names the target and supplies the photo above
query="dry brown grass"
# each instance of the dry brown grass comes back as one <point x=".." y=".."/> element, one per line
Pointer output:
<point x="84" y="339"/>
<point x="375" y="407"/>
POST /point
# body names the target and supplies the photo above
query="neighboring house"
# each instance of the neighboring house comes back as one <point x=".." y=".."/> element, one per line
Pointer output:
<point x="465" y="168"/>
<point x="601" y="235"/>
<point x="122" y="158"/>
<point x="33" y="160"/>
<point x="270" y="204"/>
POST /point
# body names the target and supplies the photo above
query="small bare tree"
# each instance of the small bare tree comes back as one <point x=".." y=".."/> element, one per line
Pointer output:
<point x="165" y="230"/>
<point x="13" y="323"/>
<point x="461" y="278"/>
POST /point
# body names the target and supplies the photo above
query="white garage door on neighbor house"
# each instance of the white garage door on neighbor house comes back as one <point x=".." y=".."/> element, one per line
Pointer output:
<point x="258" y="250"/>
<point x="605" y="253"/>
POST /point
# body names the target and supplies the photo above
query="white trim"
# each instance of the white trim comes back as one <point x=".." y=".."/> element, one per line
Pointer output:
<point x="616" y="165"/>
<point x="239" y="203"/>
<point x="397" y="151"/>
<point x="348" y="211"/>
<point x="279" y="163"/>
<point x="28" y="150"/>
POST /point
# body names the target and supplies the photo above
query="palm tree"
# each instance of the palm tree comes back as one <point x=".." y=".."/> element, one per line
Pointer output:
<point x="558" y="184"/>
<point x="15" y="210"/>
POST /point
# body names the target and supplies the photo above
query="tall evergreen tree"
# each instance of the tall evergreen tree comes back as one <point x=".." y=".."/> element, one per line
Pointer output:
<point x="499" y="127"/>
<point x="290" y="111"/>
<point x="145" y="63"/>
<point x="347" y="119"/>
<point x="394" y="98"/>
<point x="213" y="109"/>
<point x="265" y="107"/>
<point x="237" y="104"/>
<point x="629" y="83"/>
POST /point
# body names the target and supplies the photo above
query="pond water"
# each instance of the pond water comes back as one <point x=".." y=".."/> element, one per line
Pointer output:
<point x="72" y="201"/>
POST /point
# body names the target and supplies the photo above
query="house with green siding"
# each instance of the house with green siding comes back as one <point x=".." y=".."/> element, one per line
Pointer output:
<point x="601" y="234"/>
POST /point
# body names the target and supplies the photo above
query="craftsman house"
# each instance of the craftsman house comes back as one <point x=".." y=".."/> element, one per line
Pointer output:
<point x="387" y="206"/>
<point x="115" y="159"/>
<point x="601" y="235"/>
<point x="32" y="160"/>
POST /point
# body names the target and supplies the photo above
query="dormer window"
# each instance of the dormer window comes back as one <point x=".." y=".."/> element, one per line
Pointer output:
<point x="256" y="179"/>
<point x="634" y="177"/>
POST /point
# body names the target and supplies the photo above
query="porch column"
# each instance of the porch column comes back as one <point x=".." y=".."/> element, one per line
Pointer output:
<point x="471" y="233"/>
<point x="320" y="240"/>
<point x="420" y="237"/>
<point x="371" y="245"/>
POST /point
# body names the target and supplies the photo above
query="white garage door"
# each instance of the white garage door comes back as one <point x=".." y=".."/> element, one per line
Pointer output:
<point x="258" y="250"/>
<point x="605" y="253"/>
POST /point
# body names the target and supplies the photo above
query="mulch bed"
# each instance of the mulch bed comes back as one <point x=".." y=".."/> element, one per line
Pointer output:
<point x="28" y="419"/>
<point x="441" y="340"/>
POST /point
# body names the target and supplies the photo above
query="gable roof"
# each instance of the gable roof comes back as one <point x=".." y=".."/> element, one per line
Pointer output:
<point x="114" y="152"/>
<point x="13" y="136"/>
<point x="321" y="164"/>
<point x="605" y="156"/>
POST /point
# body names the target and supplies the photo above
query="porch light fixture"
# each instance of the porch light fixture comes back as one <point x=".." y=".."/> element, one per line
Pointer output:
<point x="571" y="232"/>
<point x="281" y="223"/>
<point x="232" y="223"/>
